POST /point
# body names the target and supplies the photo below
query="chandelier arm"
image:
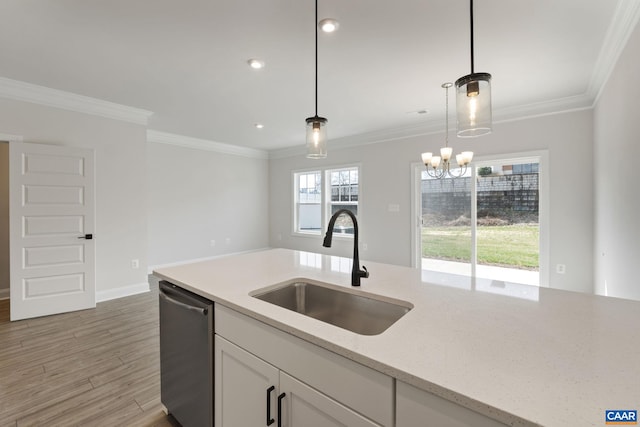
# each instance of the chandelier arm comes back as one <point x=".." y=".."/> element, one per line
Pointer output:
<point x="460" y="174"/>
<point x="435" y="173"/>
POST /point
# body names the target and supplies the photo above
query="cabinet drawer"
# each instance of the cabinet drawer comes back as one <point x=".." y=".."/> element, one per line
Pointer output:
<point x="363" y="389"/>
<point x="418" y="408"/>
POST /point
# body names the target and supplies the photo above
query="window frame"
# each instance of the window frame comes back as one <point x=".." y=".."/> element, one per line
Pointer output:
<point x="325" y="198"/>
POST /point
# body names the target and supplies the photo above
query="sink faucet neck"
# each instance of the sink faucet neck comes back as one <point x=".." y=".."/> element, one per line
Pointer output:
<point x="356" y="272"/>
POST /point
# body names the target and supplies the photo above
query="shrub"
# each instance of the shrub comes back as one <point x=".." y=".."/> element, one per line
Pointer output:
<point x="485" y="171"/>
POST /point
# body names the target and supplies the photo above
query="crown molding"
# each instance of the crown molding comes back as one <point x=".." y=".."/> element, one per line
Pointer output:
<point x="11" y="138"/>
<point x="159" y="137"/>
<point x="434" y="126"/>
<point x="383" y="135"/>
<point x="27" y="92"/>
<point x="545" y="108"/>
<point x="625" y="19"/>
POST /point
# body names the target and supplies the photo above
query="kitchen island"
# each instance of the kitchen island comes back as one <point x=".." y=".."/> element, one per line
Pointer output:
<point x="517" y="354"/>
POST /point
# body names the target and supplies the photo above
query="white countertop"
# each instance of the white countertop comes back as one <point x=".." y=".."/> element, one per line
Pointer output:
<point x="520" y="354"/>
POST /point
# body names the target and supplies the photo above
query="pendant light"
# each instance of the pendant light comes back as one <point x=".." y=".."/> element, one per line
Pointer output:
<point x="316" y="126"/>
<point x="439" y="167"/>
<point x="473" y="99"/>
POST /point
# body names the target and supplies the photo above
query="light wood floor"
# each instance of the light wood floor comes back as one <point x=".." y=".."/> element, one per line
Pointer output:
<point x="95" y="367"/>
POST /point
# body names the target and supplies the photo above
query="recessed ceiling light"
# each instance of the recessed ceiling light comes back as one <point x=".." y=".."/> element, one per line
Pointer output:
<point x="258" y="125"/>
<point x="328" y="25"/>
<point x="256" y="64"/>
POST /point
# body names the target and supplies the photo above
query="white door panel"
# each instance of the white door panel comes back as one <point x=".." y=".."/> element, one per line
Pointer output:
<point x="307" y="407"/>
<point x="52" y="212"/>
<point x="53" y="225"/>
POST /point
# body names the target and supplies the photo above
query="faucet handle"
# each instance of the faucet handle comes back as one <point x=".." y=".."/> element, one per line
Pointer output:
<point x="364" y="272"/>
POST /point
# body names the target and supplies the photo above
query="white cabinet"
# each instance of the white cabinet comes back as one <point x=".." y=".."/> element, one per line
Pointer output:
<point x="255" y="364"/>
<point x="305" y="407"/>
<point x="418" y="408"/>
<point x="318" y="387"/>
<point x="243" y="387"/>
<point x="251" y="392"/>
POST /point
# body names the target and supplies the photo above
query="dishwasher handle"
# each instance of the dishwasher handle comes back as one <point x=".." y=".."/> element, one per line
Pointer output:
<point x="203" y="311"/>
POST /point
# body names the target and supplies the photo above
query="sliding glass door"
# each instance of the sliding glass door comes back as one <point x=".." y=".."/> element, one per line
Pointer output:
<point x="485" y="224"/>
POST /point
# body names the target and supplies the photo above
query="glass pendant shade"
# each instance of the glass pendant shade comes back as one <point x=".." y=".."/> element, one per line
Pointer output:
<point x="426" y="158"/>
<point x="445" y="153"/>
<point x="473" y="104"/>
<point x="316" y="137"/>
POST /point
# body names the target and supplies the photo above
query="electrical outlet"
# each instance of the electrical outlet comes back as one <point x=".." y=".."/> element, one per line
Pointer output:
<point x="212" y="243"/>
<point x="561" y="268"/>
<point x="135" y="263"/>
<point x="365" y="246"/>
<point x="227" y="240"/>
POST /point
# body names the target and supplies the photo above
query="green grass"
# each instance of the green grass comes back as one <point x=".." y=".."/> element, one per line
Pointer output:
<point x="507" y="246"/>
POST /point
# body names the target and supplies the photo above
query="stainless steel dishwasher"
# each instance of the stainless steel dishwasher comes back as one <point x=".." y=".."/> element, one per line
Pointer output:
<point x="186" y="355"/>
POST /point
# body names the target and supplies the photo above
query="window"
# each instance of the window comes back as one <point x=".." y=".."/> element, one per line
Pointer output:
<point x="343" y="185"/>
<point x="316" y="202"/>
<point x="308" y="202"/>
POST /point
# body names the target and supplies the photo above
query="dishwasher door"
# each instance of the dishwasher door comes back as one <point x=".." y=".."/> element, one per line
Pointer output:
<point x="186" y="355"/>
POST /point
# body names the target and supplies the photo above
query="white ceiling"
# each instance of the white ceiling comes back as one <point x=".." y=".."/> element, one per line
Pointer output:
<point x="186" y="60"/>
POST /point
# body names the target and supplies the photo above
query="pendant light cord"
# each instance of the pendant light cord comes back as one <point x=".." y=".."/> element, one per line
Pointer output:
<point x="316" y="27"/>
<point x="471" y="21"/>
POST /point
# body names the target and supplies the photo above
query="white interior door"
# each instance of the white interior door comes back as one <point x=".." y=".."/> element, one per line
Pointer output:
<point x="52" y="217"/>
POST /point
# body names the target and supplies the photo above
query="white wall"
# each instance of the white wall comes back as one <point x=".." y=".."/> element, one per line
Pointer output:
<point x="617" y="199"/>
<point x="121" y="208"/>
<point x="386" y="178"/>
<point x="196" y="196"/>
<point x="4" y="219"/>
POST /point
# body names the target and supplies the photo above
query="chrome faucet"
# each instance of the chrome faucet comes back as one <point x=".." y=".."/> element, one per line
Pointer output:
<point x="356" y="273"/>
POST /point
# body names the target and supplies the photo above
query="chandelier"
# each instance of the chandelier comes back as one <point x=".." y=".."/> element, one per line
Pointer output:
<point x="439" y="167"/>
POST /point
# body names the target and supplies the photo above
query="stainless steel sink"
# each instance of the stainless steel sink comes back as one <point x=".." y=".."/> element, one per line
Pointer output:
<point x="360" y="312"/>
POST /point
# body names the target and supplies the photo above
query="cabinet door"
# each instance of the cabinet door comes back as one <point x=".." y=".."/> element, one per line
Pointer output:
<point x="242" y="383"/>
<point x="418" y="408"/>
<point x="304" y="406"/>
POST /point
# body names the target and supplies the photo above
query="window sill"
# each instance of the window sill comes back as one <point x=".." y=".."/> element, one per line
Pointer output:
<point x="338" y="236"/>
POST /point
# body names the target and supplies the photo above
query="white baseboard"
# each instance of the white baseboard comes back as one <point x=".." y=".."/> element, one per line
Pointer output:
<point x="124" y="291"/>
<point x="189" y="261"/>
<point x="105" y="295"/>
